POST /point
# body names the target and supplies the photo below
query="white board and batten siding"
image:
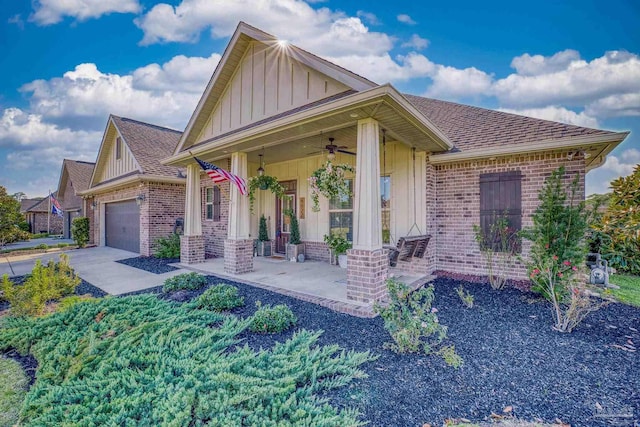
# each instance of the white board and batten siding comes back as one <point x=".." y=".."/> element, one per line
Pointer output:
<point x="267" y="82"/>
<point x="404" y="191"/>
<point x="112" y="167"/>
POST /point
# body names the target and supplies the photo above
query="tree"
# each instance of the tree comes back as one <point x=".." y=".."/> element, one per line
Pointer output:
<point x="10" y="219"/>
<point x="19" y="196"/>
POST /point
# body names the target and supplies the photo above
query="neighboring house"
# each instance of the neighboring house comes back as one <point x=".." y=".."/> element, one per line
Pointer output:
<point x="134" y="199"/>
<point x="423" y="166"/>
<point x="37" y="213"/>
<point x="74" y="178"/>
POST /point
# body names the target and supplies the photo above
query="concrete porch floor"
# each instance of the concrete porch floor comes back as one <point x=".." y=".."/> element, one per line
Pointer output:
<point x="313" y="281"/>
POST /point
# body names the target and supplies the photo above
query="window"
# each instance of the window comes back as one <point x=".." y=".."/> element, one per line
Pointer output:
<point x="385" y="203"/>
<point x="341" y="214"/>
<point x="500" y="196"/>
<point x="118" y="148"/>
<point x="212" y="203"/>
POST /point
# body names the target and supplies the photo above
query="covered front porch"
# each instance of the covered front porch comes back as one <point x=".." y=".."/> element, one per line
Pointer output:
<point x="312" y="281"/>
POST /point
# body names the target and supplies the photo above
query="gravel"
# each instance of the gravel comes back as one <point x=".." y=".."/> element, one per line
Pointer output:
<point x="151" y="264"/>
<point x="512" y="357"/>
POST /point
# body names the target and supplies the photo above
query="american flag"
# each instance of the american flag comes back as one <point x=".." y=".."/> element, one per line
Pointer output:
<point x="56" y="209"/>
<point x="219" y="175"/>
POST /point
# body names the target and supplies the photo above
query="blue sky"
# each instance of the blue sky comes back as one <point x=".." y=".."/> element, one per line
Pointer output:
<point x="65" y="65"/>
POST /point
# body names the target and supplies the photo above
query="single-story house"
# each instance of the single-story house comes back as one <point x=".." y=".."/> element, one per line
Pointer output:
<point x="133" y="199"/>
<point x="37" y="213"/>
<point x="422" y="166"/>
<point x="74" y="178"/>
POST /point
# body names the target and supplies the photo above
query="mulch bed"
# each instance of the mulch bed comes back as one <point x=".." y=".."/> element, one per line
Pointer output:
<point x="511" y="355"/>
<point x="151" y="264"/>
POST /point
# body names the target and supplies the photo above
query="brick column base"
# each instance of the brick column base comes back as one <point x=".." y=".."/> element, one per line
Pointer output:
<point x="191" y="249"/>
<point x="238" y="256"/>
<point x="366" y="274"/>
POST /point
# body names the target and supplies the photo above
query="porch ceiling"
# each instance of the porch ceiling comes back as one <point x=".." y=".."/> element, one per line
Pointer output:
<point x="297" y="137"/>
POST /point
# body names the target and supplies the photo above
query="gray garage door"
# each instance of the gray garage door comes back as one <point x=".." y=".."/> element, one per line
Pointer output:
<point x="122" y="221"/>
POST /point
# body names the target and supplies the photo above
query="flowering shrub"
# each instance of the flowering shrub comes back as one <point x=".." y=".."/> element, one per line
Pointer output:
<point x="498" y="245"/>
<point x="413" y="322"/>
<point x="558" y="249"/>
<point x="329" y="182"/>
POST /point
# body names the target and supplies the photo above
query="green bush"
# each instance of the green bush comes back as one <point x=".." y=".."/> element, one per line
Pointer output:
<point x="412" y="321"/>
<point x="44" y="284"/>
<point x="185" y="281"/>
<point x="43" y="246"/>
<point x="168" y="247"/>
<point x="269" y="319"/>
<point x="139" y="360"/>
<point x="13" y="389"/>
<point x="80" y="231"/>
<point x="294" y="237"/>
<point x="67" y="302"/>
<point x="263" y="234"/>
<point x="220" y="297"/>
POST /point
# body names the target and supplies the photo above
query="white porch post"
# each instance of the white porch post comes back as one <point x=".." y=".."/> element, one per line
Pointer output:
<point x="238" y="248"/>
<point x="367" y="262"/>
<point x="192" y="242"/>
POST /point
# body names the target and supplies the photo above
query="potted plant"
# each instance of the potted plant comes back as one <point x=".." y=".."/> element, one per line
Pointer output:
<point x="339" y="246"/>
<point x="329" y="181"/>
<point x="295" y="247"/>
<point x="264" y="244"/>
<point x="264" y="182"/>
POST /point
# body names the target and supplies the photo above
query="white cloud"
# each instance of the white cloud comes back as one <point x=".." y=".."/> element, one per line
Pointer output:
<point x="577" y="84"/>
<point x="615" y="166"/>
<point x="47" y="12"/>
<point x="405" y="19"/>
<point x="455" y="83"/>
<point x="368" y="17"/>
<point x="557" y="114"/>
<point x="416" y="42"/>
<point x="383" y="69"/>
<point x="528" y="65"/>
<point x="627" y="104"/>
<point x="181" y="73"/>
<point x="17" y="20"/>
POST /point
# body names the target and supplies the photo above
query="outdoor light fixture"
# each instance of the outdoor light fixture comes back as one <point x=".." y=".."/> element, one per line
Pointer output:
<point x="94" y="205"/>
<point x="331" y="155"/>
<point x="141" y="198"/>
<point x="260" y="169"/>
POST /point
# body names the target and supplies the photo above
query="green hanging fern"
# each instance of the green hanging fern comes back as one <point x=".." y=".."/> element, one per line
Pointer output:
<point x="264" y="182"/>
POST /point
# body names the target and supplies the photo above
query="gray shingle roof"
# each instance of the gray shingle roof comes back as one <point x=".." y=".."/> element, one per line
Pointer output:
<point x="25" y="204"/>
<point x="471" y="127"/>
<point x="41" y="205"/>
<point x="79" y="173"/>
<point x="149" y="144"/>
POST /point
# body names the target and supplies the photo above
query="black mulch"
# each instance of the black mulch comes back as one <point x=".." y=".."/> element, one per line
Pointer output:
<point x="28" y="362"/>
<point x="151" y="264"/>
<point x="511" y="355"/>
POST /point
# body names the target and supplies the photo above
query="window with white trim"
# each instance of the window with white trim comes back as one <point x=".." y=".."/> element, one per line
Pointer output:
<point x="341" y="214"/>
<point x="212" y="203"/>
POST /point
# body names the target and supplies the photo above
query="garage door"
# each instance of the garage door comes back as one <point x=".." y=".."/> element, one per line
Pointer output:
<point x="122" y="222"/>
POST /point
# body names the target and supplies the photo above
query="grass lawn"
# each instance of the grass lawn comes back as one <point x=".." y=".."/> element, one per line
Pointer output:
<point x="12" y="391"/>
<point x="629" y="292"/>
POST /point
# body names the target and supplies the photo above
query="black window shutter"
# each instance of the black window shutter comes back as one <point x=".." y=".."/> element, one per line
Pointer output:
<point x="216" y="203"/>
<point x="500" y="194"/>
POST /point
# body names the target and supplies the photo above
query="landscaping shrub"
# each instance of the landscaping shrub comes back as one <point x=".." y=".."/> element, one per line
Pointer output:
<point x="185" y="281"/>
<point x="263" y="233"/>
<point x="42" y="246"/>
<point x="13" y="388"/>
<point x="11" y="220"/>
<point x="220" y="297"/>
<point x="168" y="247"/>
<point x="294" y="237"/>
<point x="558" y="250"/>
<point x="412" y="321"/>
<point x="269" y="319"/>
<point x="498" y="245"/>
<point x="45" y="283"/>
<point x="67" y="302"/>
<point x="143" y="361"/>
<point x="465" y="297"/>
<point x="80" y="231"/>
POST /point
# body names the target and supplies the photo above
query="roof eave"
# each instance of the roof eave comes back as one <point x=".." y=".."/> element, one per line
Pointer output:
<point x="132" y="179"/>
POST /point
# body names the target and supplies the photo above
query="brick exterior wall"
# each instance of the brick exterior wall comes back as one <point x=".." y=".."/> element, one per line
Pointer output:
<point x="457" y="206"/>
<point x="70" y="200"/>
<point x="163" y="204"/>
<point x="191" y="249"/>
<point x="38" y="222"/>
<point x="317" y="251"/>
<point x="366" y="274"/>
<point x="238" y="256"/>
<point x="215" y="232"/>
<point x="92" y="220"/>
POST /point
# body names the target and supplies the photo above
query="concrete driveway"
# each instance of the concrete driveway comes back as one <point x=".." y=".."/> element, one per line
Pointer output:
<point x="97" y="266"/>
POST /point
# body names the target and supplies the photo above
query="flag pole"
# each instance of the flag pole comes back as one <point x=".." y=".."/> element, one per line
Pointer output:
<point x="49" y="215"/>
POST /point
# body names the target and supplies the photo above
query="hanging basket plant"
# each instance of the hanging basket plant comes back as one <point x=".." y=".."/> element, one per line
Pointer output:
<point x="264" y="182"/>
<point x="329" y="181"/>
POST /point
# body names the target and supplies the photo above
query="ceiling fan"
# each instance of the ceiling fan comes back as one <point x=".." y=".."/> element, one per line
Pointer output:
<point x="333" y="149"/>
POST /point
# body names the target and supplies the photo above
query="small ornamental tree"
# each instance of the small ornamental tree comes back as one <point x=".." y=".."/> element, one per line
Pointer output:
<point x="294" y="237"/>
<point x="80" y="231"/>
<point x="498" y="245"/>
<point x="263" y="234"/>
<point x="558" y="250"/>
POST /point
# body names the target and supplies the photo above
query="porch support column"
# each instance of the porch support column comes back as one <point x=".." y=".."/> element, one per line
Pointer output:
<point x="238" y="248"/>
<point x="367" y="262"/>
<point x="192" y="242"/>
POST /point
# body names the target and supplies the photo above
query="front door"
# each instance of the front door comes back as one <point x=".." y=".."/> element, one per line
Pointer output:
<point x="283" y="221"/>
